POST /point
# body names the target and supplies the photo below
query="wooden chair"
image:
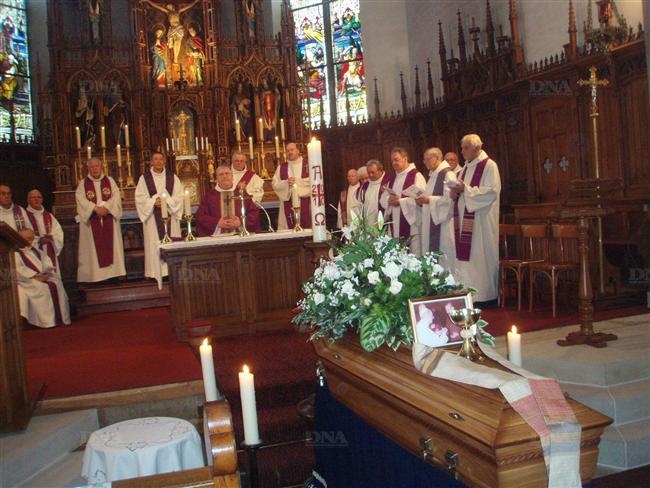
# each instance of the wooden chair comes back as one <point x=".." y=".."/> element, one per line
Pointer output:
<point x="514" y="260"/>
<point x="563" y="263"/>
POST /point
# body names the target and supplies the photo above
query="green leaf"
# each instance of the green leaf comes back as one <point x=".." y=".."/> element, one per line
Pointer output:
<point x="373" y="329"/>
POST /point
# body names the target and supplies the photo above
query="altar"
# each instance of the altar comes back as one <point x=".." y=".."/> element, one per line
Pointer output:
<point x="242" y="285"/>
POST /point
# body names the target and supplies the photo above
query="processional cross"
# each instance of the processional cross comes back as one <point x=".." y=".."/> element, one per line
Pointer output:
<point x="593" y="82"/>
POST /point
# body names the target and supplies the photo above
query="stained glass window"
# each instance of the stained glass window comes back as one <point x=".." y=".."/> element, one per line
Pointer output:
<point x="330" y="61"/>
<point x="16" y="121"/>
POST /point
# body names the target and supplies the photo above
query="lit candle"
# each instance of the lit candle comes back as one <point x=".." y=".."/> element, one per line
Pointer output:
<point x="126" y="136"/>
<point x="89" y="152"/>
<point x="237" y="130"/>
<point x="118" y="151"/>
<point x="163" y="206"/>
<point x="282" y="133"/>
<point x="102" y="136"/>
<point x="250" y="149"/>
<point x="207" y="366"/>
<point x="187" y="205"/>
<point x="207" y="144"/>
<point x="277" y="147"/>
<point x="77" y="133"/>
<point x="248" y="407"/>
<point x="196" y="143"/>
<point x="167" y="143"/>
<point x="514" y="346"/>
<point x="173" y="148"/>
<point x="315" y="158"/>
<point x="260" y="129"/>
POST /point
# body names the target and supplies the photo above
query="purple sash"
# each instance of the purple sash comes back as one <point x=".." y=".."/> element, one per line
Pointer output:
<point x="48" y="247"/>
<point x="101" y="227"/>
<point x="54" y="291"/>
<point x="151" y="188"/>
<point x="305" y="221"/>
<point x="18" y="217"/>
<point x="464" y="235"/>
<point x="403" y="227"/>
<point x="434" y="229"/>
<point x="245" y="179"/>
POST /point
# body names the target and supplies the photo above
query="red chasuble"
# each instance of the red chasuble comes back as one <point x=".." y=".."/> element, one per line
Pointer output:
<point x="102" y="227"/>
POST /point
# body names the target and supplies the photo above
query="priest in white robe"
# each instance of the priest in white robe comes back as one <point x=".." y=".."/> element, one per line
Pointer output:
<point x="400" y="211"/>
<point x="370" y="191"/>
<point x="292" y="185"/>
<point x="99" y="210"/>
<point x="348" y="200"/>
<point x="159" y="194"/>
<point x="437" y="224"/>
<point x="244" y="178"/>
<point x="476" y="221"/>
<point x="48" y="230"/>
<point x="42" y="298"/>
<point x="12" y="214"/>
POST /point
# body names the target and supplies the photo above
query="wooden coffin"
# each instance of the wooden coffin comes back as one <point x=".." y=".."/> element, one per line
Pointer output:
<point x="471" y="432"/>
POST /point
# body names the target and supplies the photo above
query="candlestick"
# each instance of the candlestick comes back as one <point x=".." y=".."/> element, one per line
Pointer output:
<point x="237" y="130"/>
<point x="514" y="346"/>
<point x="126" y="136"/>
<point x="277" y="147"/>
<point x="163" y="206"/>
<point x="118" y="151"/>
<point x="102" y="136"/>
<point x="260" y="129"/>
<point x="315" y="158"/>
<point x="207" y="366"/>
<point x="248" y="406"/>
<point x="282" y="133"/>
<point x="187" y="205"/>
<point x="89" y="152"/>
<point x="250" y="149"/>
<point x="78" y="137"/>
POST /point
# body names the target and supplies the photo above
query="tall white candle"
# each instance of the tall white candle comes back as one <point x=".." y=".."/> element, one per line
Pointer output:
<point x="248" y="407"/>
<point x="196" y="143"/>
<point x="187" y="205"/>
<point x="237" y="130"/>
<point x="514" y="346"/>
<point x="207" y="144"/>
<point x="89" y="152"/>
<point x="250" y="149"/>
<point x="277" y="147"/>
<point x="318" y="225"/>
<point x="126" y="136"/>
<point x="77" y="134"/>
<point x="173" y="145"/>
<point x="102" y="136"/>
<point x="260" y="129"/>
<point x="282" y="133"/>
<point x="163" y="206"/>
<point x="167" y="143"/>
<point x="118" y="151"/>
<point x="207" y="366"/>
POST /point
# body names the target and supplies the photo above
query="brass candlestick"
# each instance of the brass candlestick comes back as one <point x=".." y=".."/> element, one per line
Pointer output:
<point x="104" y="162"/>
<point x="243" y="231"/>
<point x="296" y="216"/>
<point x="466" y="318"/>
<point x="129" y="179"/>
<point x="166" y="239"/>
<point x="78" y="167"/>
<point x="190" y="235"/>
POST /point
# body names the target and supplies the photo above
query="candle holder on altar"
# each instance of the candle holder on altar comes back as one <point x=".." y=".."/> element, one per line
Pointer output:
<point x="296" y="216"/>
<point x="466" y="318"/>
<point x="243" y="231"/>
<point x="166" y="239"/>
<point x="104" y="162"/>
<point x="190" y="235"/>
<point x="129" y="179"/>
<point x="78" y="167"/>
<point x="251" y="451"/>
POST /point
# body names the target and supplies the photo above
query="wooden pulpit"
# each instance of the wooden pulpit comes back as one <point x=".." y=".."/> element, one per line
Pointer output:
<point x="15" y="409"/>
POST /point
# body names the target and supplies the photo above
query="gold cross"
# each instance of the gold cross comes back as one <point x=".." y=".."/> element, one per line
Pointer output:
<point x="593" y="82"/>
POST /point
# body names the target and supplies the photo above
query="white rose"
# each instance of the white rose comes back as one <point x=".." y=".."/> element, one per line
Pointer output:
<point x="319" y="298"/>
<point x="391" y="270"/>
<point x="450" y="280"/>
<point x="367" y="302"/>
<point x="373" y="277"/>
<point x="368" y="263"/>
<point x="438" y="269"/>
<point x="395" y="287"/>
<point x="348" y="289"/>
<point x="331" y="272"/>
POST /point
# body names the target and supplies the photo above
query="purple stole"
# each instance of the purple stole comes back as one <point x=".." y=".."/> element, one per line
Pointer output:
<point x="52" y="286"/>
<point x="47" y="222"/>
<point x="151" y="188"/>
<point x="18" y="217"/>
<point x="464" y="235"/>
<point x="403" y="226"/>
<point x="245" y="179"/>
<point x="102" y="228"/>
<point x="305" y="221"/>
<point x="434" y="229"/>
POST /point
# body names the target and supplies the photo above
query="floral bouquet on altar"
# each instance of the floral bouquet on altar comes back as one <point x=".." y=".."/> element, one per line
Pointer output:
<point x="367" y="287"/>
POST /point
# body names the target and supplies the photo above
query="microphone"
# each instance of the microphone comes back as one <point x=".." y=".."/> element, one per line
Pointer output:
<point x="268" y="218"/>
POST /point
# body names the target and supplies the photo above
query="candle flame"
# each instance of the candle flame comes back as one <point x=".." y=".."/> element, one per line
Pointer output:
<point x="514" y="329"/>
<point x="205" y="342"/>
<point x="313" y="139"/>
<point x="245" y="369"/>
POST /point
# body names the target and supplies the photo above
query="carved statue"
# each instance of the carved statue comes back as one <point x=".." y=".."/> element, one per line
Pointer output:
<point x="94" y="16"/>
<point x="159" y="58"/>
<point x="176" y="31"/>
<point x="249" y="10"/>
<point x="270" y="107"/>
<point x="85" y="115"/>
<point x="241" y="107"/>
<point x="195" y="51"/>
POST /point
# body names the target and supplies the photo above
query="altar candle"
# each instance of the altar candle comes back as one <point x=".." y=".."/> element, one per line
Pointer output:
<point x="248" y="407"/>
<point x="89" y="152"/>
<point x="167" y="143"/>
<point x="118" y="151"/>
<point x="260" y="129"/>
<point x="514" y="346"/>
<point x="102" y="136"/>
<point x="315" y="158"/>
<point x="77" y="134"/>
<point x="187" y="205"/>
<point x="250" y="149"/>
<point x="126" y="135"/>
<point x="163" y="206"/>
<point x="282" y="133"/>
<point x="207" y="144"/>
<point x="237" y="130"/>
<point x="277" y="147"/>
<point x="196" y="143"/>
<point x="207" y="366"/>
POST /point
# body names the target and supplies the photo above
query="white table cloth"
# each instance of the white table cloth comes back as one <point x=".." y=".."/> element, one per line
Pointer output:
<point x="141" y="447"/>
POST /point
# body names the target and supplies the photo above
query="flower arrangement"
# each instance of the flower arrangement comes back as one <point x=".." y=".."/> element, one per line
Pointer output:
<point x="367" y="286"/>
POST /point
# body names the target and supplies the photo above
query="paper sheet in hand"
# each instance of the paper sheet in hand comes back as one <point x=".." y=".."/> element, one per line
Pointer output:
<point x="413" y="191"/>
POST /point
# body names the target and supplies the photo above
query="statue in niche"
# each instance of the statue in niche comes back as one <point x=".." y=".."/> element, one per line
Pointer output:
<point x="269" y="103"/>
<point x="195" y="50"/>
<point x="85" y="116"/>
<point x="183" y="129"/>
<point x="249" y="10"/>
<point x="175" y="31"/>
<point x="159" y="58"/>
<point x="115" y="113"/>
<point x="95" y="16"/>
<point x="241" y="107"/>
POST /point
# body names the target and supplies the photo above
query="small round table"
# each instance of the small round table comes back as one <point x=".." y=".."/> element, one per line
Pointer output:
<point x="141" y="447"/>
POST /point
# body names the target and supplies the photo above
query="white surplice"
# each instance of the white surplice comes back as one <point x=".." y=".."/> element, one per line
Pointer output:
<point x="56" y="232"/>
<point x="482" y="269"/>
<point x="36" y="303"/>
<point x="351" y="205"/>
<point x="255" y="187"/>
<point x="154" y="267"/>
<point x="88" y="269"/>
<point x="370" y="204"/>
<point x="282" y="190"/>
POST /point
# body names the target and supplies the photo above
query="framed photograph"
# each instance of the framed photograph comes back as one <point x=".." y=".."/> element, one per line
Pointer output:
<point x="430" y="319"/>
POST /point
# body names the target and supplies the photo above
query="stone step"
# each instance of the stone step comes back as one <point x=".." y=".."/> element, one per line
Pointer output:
<point x="627" y="402"/>
<point x="625" y="446"/>
<point x="47" y="439"/>
<point x="121" y="295"/>
<point x="65" y="473"/>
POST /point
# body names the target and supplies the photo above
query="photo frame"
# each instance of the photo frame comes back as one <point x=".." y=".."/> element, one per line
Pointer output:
<point x="430" y="320"/>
